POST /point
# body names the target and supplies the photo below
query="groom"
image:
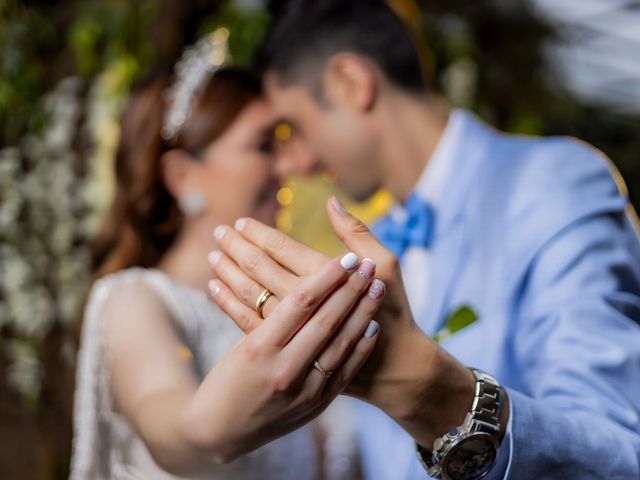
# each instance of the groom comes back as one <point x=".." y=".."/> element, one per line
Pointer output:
<point x="531" y="238"/>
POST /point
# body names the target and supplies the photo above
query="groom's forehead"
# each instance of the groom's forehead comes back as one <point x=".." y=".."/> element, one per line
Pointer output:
<point x="290" y="99"/>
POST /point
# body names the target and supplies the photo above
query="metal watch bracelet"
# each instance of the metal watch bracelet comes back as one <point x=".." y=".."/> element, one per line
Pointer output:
<point x="482" y="422"/>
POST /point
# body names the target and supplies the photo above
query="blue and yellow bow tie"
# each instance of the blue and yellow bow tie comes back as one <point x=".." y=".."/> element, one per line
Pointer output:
<point x="416" y="228"/>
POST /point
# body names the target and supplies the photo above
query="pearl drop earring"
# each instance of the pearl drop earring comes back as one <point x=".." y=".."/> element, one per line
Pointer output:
<point x="192" y="203"/>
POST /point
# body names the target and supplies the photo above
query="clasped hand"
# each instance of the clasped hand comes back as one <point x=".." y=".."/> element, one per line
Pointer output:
<point x="267" y="385"/>
<point x="408" y="376"/>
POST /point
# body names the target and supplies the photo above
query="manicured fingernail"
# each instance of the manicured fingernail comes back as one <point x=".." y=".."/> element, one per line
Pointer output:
<point x="219" y="232"/>
<point x="214" y="287"/>
<point x="377" y="289"/>
<point x="372" y="329"/>
<point x="214" y="257"/>
<point x="349" y="261"/>
<point x="240" y="224"/>
<point x="337" y="206"/>
<point x="367" y="268"/>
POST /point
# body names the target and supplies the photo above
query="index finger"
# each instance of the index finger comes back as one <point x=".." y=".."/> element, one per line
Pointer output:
<point x="289" y="253"/>
<point x="297" y="307"/>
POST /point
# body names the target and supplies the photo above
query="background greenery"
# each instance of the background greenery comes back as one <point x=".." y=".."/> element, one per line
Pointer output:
<point x="65" y="70"/>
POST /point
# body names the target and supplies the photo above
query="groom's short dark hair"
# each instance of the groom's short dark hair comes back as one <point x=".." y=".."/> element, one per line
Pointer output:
<point x="306" y="33"/>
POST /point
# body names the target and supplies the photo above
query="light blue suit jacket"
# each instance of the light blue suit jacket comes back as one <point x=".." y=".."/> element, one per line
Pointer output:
<point x="537" y="236"/>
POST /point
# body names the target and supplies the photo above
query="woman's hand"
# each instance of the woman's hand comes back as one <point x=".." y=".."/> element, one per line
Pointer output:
<point x="267" y="384"/>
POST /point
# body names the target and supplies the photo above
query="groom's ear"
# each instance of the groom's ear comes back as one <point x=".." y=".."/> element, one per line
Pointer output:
<point x="350" y="81"/>
<point x="357" y="237"/>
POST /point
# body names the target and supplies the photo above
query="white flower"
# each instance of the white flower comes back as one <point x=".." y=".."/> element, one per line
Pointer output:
<point x="61" y="239"/>
<point x="105" y="103"/>
<point x="61" y="186"/>
<point x="10" y="208"/>
<point x="25" y="371"/>
<point x="72" y="277"/>
<point x="33" y="312"/>
<point x="9" y="165"/>
<point x="459" y="81"/>
<point x="47" y="206"/>
<point x="69" y="302"/>
<point x="33" y="186"/>
<point x="16" y="272"/>
<point x="62" y="104"/>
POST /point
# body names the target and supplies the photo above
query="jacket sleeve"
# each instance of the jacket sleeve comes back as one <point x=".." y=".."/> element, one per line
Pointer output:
<point x="576" y="325"/>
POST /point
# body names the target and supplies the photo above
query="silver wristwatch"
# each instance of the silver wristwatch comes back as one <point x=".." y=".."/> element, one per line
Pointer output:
<point x="469" y="451"/>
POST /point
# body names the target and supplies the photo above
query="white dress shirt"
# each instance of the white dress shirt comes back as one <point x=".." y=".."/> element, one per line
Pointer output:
<point x="415" y="262"/>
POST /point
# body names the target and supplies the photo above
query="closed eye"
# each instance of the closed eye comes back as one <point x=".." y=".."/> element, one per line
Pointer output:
<point x="267" y="145"/>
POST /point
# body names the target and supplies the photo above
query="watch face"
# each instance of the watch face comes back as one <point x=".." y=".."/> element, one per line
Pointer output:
<point x="471" y="458"/>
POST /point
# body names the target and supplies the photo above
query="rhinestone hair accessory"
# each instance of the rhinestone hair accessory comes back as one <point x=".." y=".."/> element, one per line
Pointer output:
<point x="196" y="65"/>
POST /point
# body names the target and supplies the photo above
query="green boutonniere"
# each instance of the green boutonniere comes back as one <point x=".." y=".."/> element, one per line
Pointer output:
<point x="461" y="318"/>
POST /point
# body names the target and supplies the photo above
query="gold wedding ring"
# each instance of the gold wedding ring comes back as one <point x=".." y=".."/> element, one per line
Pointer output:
<point x="262" y="299"/>
<point x="325" y="373"/>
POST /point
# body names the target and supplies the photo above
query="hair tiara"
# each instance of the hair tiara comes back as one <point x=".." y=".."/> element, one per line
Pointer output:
<point x="197" y="64"/>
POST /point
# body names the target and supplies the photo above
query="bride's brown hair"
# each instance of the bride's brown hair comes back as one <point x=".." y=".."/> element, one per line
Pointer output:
<point x="144" y="219"/>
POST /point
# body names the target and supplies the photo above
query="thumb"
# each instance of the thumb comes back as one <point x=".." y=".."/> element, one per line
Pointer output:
<point x="358" y="238"/>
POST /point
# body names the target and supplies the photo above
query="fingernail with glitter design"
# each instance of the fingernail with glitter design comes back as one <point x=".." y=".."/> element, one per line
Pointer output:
<point x="377" y="289"/>
<point x="349" y="261"/>
<point x="214" y="288"/>
<point x="367" y="268"/>
<point x="372" y="329"/>
<point x="214" y="257"/>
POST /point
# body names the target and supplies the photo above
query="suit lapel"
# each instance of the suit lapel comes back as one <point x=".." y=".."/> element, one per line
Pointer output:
<point x="452" y="242"/>
<point x="448" y="253"/>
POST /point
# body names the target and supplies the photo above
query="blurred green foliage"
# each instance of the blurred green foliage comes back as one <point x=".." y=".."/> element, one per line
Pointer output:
<point x="247" y="27"/>
<point x="40" y="44"/>
<point x="103" y="32"/>
<point x="22" y="74"/>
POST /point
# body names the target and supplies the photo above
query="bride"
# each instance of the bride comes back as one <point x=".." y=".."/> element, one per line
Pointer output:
<point x="165" y="386"/>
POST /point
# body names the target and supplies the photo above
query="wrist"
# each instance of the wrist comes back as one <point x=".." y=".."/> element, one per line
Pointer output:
<point x="470" y="450"/>
<point x="430" y="392"/>
<point x="442" y="402"/>
<point x="203" y="436"/>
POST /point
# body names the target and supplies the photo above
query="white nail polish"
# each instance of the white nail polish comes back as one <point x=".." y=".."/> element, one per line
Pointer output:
<point x="214" y="257"/>
<point x="349" y="261"/>
<point x="219" y="232"/>
<point x="372" y="329"/>
<point x="240" y="224"/>
<point x="214" y="287"/>
<point x="337" y="205"/>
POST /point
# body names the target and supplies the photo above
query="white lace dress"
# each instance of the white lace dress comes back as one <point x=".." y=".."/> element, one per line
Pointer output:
<point x="105" y="446"/>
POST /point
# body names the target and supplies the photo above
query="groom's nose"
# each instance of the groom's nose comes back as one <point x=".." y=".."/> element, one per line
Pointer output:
<point x="295" y="158"/>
